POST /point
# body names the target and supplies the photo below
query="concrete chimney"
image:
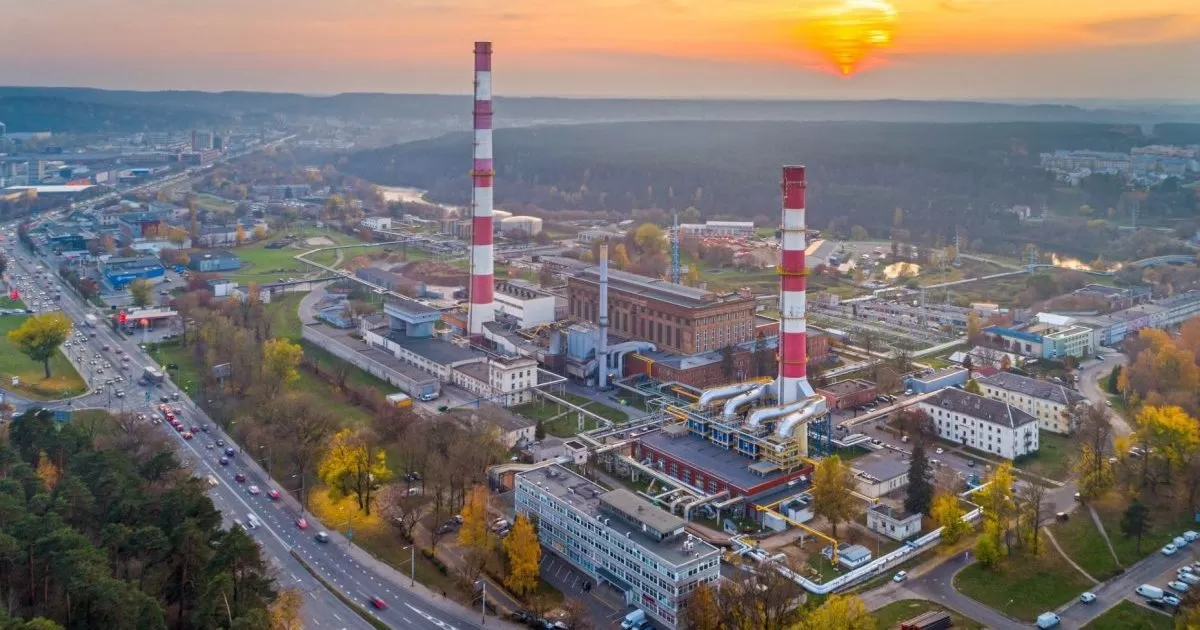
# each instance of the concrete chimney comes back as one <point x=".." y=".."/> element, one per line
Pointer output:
<point x="602" y="342"/>
<point x="481" y="308"/>
<point x="793" y="280"/>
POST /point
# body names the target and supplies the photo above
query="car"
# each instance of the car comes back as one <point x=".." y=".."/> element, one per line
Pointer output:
<point x="210" y="446"/>
<point x="1171" y="600"/>
<point x="1087" y="597"/>
<point x="229" y="451"/>
<point x="900" y="576"/>
<point x="253" y="490"/>
<point x="273" y="494"/>
<point x="1158" y="603"/>
<point x="378" y="603"/>
<point x="240" y="478"/>
<point x="187" y="435"/>
<point x="302" y="523"/>
<point x="1190" y="535"/>
<point x="165" y="399"/>
<point x="1187" y="569"/>
<point x="195" y="428"/>
<point x="1169" y="550"/>
<point x="321" y="537"/>
<point x="221" y="443"/>
<point x="1187" y="578"/>
<point x="204" y="428"/>
<point x="940" y="450"/>
<point x="970" y="463"/>
<point x="1180" y="542"/>
<point x="1177" y="586"/>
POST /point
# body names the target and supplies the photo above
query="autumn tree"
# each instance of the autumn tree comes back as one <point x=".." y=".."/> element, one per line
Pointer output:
<point x="702" y="611"/>
<point x="620" y="256"/>
<point x="649" y="239"/>
<point x="354" y="465"/>
<point x="833" y="482"/>
<point x="40" y="336"/>
<point x="280" y="363"/>
<point x="239" y="235"/>
<point x="1030" y="509"/>
<point x="47" y="471"/>
<point x="142" y="292"/>
<point x="1135" y="522"/>
<point x="840" y="612"/>
<point x="998" y="510"/>
<point x="473" y="534"/>
<point x="287" y="612"/>
<point x="524" y="554"/>
<point x="859" y="233"/>
<point x="401" y="508"/>
<point x="1092" y="468"/>
<point x="948" y="514"/>
<point x="973" y="387"/>
<point x="260" y="233"/>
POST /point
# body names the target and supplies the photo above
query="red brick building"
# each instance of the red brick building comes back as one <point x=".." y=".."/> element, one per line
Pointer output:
<point x="849" y="394"/>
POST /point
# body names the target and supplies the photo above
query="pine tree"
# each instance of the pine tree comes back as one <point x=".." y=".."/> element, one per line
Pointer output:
<point x="1135" y="522"/>
<point x="920" y="484"/>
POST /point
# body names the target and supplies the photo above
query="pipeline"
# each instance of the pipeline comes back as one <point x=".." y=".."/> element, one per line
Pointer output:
<point x="814" y="407"/>
<point x="731" y="406"/>
<point x="711" y="396"/>
<point x="767" y="413"/>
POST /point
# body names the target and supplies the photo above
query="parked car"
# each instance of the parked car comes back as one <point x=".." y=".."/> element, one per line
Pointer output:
<point x="1187" y="578"/>
<point x="1087" y="597"/>
<point x="1169" y="550"/>
<point x="900" y="576"/>
<point x="1177" y="586"/>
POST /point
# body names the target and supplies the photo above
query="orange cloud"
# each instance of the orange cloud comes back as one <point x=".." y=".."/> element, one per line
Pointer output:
<point x="849" y="33"/>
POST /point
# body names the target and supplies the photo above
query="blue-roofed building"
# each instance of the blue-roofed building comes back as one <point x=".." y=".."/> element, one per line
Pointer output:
<point x="215" y="261"/>
<point x="119" y="272"/>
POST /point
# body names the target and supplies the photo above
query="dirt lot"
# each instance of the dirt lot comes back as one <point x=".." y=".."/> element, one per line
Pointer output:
<point x="432" y="273"/>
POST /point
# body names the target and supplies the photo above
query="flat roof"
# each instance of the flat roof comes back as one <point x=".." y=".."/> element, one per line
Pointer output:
<point x="342" y="337"/>
<point x="942" y="373"/>
<point x="715" y="461"/>
<point x="657" y="288"/>
<point x="438" y="351"/>
<point x="881" y="465"/>
<point x="585" y="497"/>
<point x="477" y="371"/>
<point x="408" y="305"/>
<point x="641" y="510"/>
<point x="842" y="388"/>
<point x="53" y="189"/>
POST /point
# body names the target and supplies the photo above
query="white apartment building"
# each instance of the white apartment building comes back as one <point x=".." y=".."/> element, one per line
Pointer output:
<point x="1046" y="401"/>
<point x="506" y="381"/>
<point x="982" y="423"/>
<point x="618" y="538"/>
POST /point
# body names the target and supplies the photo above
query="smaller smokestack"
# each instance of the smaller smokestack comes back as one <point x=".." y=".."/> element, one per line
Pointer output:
<point x="602" y="342"/>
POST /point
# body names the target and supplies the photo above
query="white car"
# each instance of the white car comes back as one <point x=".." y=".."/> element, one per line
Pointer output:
<point x="940" y="450"/>
<point x="1087" y="597"/>
<point x="1171" y="600"/>
<point x="1177" y="586"/>
<point x="900" y="577"/>
<point x="253" y="490"/>
<point x="1190" y="535"/>
<point x="1169" y="550"/>
<point x="1187" y="578"/>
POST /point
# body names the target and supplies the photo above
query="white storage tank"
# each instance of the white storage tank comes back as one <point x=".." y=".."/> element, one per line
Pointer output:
<point x="500" y="215"/>
<point x="521" y="223"/>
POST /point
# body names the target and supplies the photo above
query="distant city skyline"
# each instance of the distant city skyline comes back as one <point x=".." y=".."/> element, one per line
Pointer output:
<point x="1040" y="50"/>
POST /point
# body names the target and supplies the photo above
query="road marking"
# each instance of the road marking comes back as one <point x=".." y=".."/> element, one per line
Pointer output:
<point x="430" y="618"/>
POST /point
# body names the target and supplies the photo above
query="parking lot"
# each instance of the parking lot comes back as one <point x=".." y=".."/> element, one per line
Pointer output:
<point x="1156" y="570"/>
<point x="603" y="602"/>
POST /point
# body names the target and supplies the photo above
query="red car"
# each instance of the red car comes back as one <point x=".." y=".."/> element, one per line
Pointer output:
<point x="187" y="435"/>
<point x="301" y="523"/>
<point x="273" y="493"/>
<point x="240" y="478"/>
<point x="378" y="603"/>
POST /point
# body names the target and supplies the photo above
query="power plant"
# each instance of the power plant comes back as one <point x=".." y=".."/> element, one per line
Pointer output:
<point x="482" y="309"/>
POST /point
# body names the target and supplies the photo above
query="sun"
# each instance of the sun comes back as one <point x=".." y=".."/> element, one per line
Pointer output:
<point x="848" y="32"/>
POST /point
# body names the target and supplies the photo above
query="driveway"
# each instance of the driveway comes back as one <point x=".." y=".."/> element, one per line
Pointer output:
<point x="938" y="586"/>
<point x="603" y="603"/>
<point x="1089" y="385"/>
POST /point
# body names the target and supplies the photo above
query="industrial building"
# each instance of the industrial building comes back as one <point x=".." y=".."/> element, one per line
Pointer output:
<point x="407" y="335"/>
<point x="119" y="272"/>
<point x="992" y="426"/>
<point x="1111" y="329"/>
<point x="892" y="522"/>
<point x="849" y="394"/>
<point x="377" y="223"/>
<point x="737" y="229"/>
<point x="937" y="379"/>
<point x="619" y="539"/>
<point x="215" y="262"/>
<point x="879" y="473"/>
<point x="525" y="304"/>
<point x="1053" y="404"/>
<point x="520" y="224"/>
<point x="508" y="381"/>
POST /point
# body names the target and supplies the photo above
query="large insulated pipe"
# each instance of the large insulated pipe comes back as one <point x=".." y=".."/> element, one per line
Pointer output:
<point x="793" y="380"/>
<point x="710" y="396"/>
<point x="759" y="416"/>
<point x="731" y="405"/>
<point x="482" y="309"/>
<point x="789" y="424"/>
<point x="602" y="342"/>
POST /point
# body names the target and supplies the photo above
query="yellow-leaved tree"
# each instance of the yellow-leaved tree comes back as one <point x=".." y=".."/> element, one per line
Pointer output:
<point x="948" y="513"/>
<point x="240" y="235"/>
<point x="474" y="531"/>
<point x="354" y="465"/>
<point x="287" y="610"/>
<point x="260" y="232"/>
<point x="280" y="365"/>
<point x="840" y="612"/>
<point x="524" y="555"/>
<point x="47" y="471"/>
<point x="833" y="482"/>
<point x="620" y="256"/>
<point x="142" y="292"/>
<point x="40" y="336"/>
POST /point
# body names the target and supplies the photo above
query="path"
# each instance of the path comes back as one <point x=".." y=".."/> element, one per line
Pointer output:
<point x="1054" y="541"/>
<point x="1104" y="534"/>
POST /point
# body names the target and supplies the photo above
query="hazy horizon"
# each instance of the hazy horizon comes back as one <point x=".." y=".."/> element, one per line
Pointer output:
<point x="964" y="50"/>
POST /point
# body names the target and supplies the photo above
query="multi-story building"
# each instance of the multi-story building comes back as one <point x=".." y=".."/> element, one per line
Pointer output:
<point x="717" y="228"/>
<point x="992" y="426"/>
<point x="618" y="538"/>
<point x="1050" y="336"/>
<point x="1112" y="329"/>
<point x="377" y="223"/>
<point x="673" y="317"/>
<point x="523" y="302"/>
<point x="281" y="191"/>
<point x="1051" y="403"/>
<point x="507" y="381"/>
<point x="202" y="140"/>
<point x="408" y="336"/>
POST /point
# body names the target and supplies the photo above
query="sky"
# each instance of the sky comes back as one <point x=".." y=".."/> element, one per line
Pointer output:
<point x="909" y="49"/>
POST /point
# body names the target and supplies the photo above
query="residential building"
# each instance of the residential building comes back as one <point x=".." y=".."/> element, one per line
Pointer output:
<point x="892" y="522"/>
<point x="618" y="538"/>
<point x="992" y="426"/>
<point x="879" y="473"/>
<point x="1052" y="404"/>
<point x="849" y="394"/>
<point x="215" y="261"/>
<point x="525" y="304"/>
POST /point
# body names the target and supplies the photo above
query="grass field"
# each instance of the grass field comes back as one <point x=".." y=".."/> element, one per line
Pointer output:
<point x="264" y="265"/>
<point x="1080" y="540"/>
<point x="212" y="203"/>
<point x="1165" y="524"/>
<point x="1129" y="616"/>
<point x="568" y="424"/>
<point x="64" y="381"/>
<point x="1053" y="458"/>
<point x="7" y="302"/>
<point x="1023" y="588"/>
<point x="891" y="615"/>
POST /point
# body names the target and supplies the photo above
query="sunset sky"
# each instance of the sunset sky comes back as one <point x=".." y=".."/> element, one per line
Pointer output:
<point x="964" y="49"/>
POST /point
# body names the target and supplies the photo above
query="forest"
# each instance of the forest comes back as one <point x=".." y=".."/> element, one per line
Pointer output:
<point x="941" y="176"/>
<point x="101" y="527"/>
<point x="61" y="115"/>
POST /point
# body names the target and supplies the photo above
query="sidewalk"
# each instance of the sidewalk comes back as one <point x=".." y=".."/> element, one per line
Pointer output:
<point x="454" y="561"/>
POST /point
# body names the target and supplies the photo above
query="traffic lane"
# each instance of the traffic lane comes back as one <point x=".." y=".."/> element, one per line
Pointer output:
<point x="1155" y="570"/>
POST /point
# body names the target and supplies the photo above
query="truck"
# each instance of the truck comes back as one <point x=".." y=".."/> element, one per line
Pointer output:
<point x="90" y="320"/>
<point x="152" y="376"/>
<point x="399" y="400"/>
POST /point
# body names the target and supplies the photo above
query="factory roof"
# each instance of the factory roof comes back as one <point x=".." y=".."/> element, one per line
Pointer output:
<point x="477" y="371"/>
<point x="409" y="305"/>
<point x="715" y="461"/>
<point x="1045" y="390"/>
<point x="438" y="351"/>
<point x="520" y="289"/>
<point x="938" y="374"/>
<point x="896" y="514"/>
<point x="50" y="190"/>
<point x="655" y="288"/>
<point x="881" y="465"/>
<point x="593" y="500"/>
<point x="987" y="409"/>
<point x="843" y="388"/>
<point x="217" y="254"/>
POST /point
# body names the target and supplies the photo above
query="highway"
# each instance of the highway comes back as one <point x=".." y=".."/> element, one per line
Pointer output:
<point x="356" y="575"/>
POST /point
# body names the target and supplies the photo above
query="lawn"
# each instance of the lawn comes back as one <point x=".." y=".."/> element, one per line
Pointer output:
<point x="1053" y="458"/>
<point x="1023" y="588"/>
<point x="1129" y="616"/>
<point x="7" y="302"/>
<point x="568" y="424"/>
<point x="285" y="318"/>
<point x="213" y="203"/>
<point x="1164" y="526"/>
<point x="64" y="381"/>
<point x="264" y="265"/>
<point x="891" y="615"/>
<point x="1080" y="539"/>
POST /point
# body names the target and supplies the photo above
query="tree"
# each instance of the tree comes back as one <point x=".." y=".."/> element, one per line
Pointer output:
<point x="833" y="482"/>
<point x="858" y="233"/>
<point x="919" y="497"/>
<point x="649" y="239"/>
<point x="401" y="509"/>
<point x="280" y="360"/>
<point x="989" y="548"/>
<point x="948" y="514"/>
<point x="620" y="256"/>
<point x="142" y="292"/>
<point x="287" y="613"/>
<point x="473" y="534"/>
<point x="40" y="336"/>
<point x="239" y="235"/>
<point x="260" y="233"/>
<point x="177" y="236"/>
<point x="47" y="471"/>
<point x="1113" y="378"/>
<point x="973" y="387"/>
<point x="354" y="465"/>
<point x="693" y="277"/>
<point x="702" y="611"/>
<point x="840" y="612"/>
<point x="1095" y="475"/>
<point x="1031" y="506"/>
<point x="524" y="555"/>
<point x="1135" y="522"/>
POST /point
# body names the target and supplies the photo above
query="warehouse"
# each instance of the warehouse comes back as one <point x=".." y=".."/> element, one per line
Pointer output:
<point x="119" y="272"/>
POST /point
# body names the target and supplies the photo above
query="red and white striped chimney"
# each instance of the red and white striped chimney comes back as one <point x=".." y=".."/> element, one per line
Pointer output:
<point x="793" y="280"/>
<point x="482" y="309"/>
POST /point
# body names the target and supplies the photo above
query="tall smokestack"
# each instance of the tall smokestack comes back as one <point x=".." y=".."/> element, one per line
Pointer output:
<point x="602" y="343"/>
<point x="482" y="309"/>
<point x="793" y="279"/>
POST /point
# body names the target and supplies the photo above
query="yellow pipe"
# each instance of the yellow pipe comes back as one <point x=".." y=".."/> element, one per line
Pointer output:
<point x="833" y="541"/>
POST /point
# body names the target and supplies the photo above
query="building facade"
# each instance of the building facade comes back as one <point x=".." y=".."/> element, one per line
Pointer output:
<point x="673" y="317"/>
<point x="618" y="538"/>
<point x="982" y="423"/>
<point x="893" y="523"/>
<point x="849" y="394"/>
<point x="504" y="381"/>
<point x="524" y="303"/>
<point x="1051" y="403"/>
<point x="707" y="229"/>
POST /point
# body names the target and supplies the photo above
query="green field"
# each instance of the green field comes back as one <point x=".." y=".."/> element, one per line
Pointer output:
<point x="1129" y="616"/>
<point x="212" y="203"/>
<point x="1023" y="588"/>
<point x="266" y="266"/>
<point x="1053" y="458"/>
<point x="64" y="381"/>
<point x="1080" y="540"/>
<point x="891" y="615"/>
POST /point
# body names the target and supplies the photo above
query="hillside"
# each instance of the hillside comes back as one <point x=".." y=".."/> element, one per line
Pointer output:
<point x="60" y="115"/>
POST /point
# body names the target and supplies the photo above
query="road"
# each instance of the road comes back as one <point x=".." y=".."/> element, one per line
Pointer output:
<point x="1156" y="569"/>
<point x="1090" y="376"/>
<point x="352" y="572"/>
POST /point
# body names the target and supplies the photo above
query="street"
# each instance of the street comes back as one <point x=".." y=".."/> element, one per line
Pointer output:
<point x="356" y="575"/>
